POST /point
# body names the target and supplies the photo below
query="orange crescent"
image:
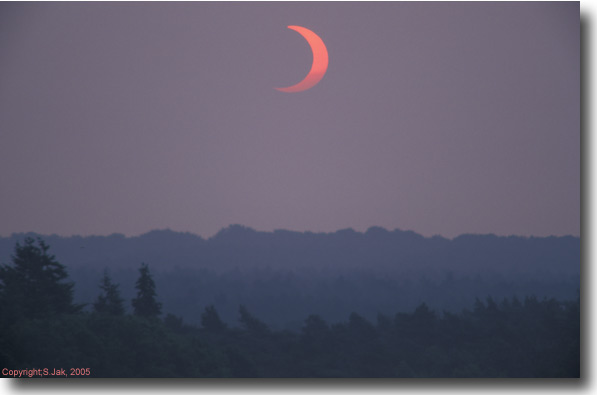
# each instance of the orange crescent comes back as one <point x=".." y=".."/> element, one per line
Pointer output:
<point x="320" y="61"/>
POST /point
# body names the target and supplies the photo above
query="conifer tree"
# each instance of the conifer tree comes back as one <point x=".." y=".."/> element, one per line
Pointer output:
<point x="145" y="304"/>
<point x="251" y="323"/>
<point x="109" y="301"/>
<point x="35" y="284"/>
<point x="210" y="320"/>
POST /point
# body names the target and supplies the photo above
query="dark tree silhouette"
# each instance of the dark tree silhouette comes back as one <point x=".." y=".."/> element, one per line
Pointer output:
<point x="109" y="300"/>
<point x="35" y="285"/>
<point x="251" y="323"/>
<point x="210" y="320"/>
<point x="315" y="327"/>
<point x="145" y="304"/>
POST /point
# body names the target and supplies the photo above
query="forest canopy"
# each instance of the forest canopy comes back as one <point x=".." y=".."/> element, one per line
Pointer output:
<point x="510" y="337"/>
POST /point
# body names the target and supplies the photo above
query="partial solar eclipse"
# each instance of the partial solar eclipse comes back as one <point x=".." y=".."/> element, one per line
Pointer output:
<point x="320" y="61"/>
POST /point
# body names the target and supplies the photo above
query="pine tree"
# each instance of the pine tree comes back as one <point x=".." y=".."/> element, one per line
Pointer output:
<point x="35" y="284"/>
<point x="251" y="323"/>
<point x="210" y="320"/>
<point x="145" y="304"/>
<point x="109" y="301"/>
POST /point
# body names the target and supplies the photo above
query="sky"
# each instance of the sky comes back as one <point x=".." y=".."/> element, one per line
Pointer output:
<point x="441" y="118"/>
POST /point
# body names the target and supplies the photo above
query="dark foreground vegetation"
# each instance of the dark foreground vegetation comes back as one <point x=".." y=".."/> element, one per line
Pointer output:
<point x="41" y="327"/>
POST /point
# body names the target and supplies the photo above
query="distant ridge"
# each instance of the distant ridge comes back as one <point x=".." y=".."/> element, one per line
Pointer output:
<point x="238" y="228"/>
<point x="376" y="247"/>
<point x="282" y="275"/>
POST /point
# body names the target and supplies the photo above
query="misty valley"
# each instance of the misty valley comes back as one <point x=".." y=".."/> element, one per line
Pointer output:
<point x="246" y="303"/>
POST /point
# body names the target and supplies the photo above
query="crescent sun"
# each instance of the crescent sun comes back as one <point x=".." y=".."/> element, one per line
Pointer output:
<point x="320" y="61"/>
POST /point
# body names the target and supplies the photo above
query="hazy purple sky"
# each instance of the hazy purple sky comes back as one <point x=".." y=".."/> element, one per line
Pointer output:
<point x="442" y="118"/>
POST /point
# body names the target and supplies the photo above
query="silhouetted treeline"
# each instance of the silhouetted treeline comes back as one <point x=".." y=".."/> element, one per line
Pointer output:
<point x="42" y="327"/>
<point x="284" y="276"/>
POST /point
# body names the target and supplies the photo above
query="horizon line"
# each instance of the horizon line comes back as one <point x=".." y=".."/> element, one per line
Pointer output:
<point x="249" y="228"/>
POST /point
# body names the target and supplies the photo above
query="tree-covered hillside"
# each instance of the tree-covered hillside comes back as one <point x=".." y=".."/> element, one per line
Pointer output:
<point x="43" y="332"/>
<point x="283" y="276"/>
